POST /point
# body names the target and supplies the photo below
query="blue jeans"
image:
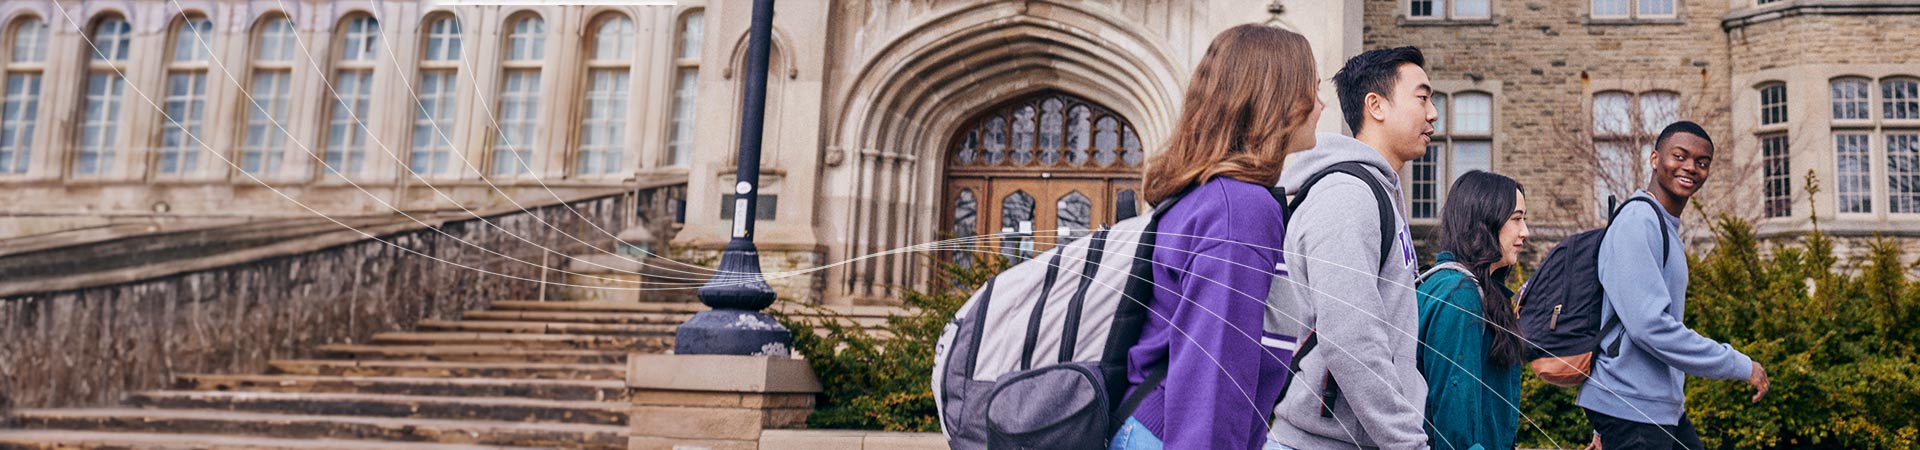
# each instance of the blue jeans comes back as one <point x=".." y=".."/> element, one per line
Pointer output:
<point x="1134" y="436"/>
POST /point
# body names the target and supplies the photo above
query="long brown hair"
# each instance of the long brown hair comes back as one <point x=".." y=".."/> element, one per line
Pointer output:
<point x="1253" y="88"/>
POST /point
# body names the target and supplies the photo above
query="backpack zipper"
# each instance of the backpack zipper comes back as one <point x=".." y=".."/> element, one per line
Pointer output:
<point x="1554" y="322"/>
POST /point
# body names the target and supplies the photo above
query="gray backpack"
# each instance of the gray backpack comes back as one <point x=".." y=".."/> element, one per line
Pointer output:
<point x="1047" y="339"/>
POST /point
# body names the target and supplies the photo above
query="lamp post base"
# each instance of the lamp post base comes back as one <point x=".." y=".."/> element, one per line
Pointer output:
<point x="732" y="332"/>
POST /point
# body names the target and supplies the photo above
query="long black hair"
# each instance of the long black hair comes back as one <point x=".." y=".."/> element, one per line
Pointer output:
<point x="1478" y="205"/>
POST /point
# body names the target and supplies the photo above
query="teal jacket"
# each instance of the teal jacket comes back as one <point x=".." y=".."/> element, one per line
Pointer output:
<point x="1471" y="402"/>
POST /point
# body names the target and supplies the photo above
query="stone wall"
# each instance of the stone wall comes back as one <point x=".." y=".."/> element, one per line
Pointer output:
<point x="88" y="346"/>
<point x="1849" y="39"/>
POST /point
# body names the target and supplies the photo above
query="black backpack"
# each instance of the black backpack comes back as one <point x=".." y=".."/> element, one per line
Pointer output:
<point x="1560" y="307"/>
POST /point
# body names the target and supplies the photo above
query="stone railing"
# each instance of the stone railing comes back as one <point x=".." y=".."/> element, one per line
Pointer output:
<point x="85" y="338"/>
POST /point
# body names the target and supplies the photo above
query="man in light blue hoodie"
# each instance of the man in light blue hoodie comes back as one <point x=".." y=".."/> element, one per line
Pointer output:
<point x="1636" y="396"/>
<point x="1362" y="387"/>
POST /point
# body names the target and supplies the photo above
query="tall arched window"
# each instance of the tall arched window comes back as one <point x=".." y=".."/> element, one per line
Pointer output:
<point x="26" y="59"/>
<point x="526" y="46"/>
<point x="107" y="47"/>
<point x="264" y="142"/>
<point x="353" y="67"/>
<point x="439" y="99"/>
<point x="186" y="106"/>
<point x="602" y="131"/>
<point x="686" y="86"/>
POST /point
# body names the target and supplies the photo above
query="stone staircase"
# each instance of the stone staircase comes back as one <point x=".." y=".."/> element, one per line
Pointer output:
<point x="519" y="374"/>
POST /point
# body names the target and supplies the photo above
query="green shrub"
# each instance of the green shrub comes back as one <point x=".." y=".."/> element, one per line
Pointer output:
<point x="1838" y="340"/>
<point x="882" y="379"/>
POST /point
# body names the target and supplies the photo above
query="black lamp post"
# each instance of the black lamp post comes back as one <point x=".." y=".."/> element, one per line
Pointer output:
<point x="735" y="325"/>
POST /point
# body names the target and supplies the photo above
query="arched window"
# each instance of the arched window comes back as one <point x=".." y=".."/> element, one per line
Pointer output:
<point x="25" y="61"/>
<point x="1851" y="98"/>
<point x="686" y="87"/>
<point x="518" y="115"/>
<point x="1900" y="98"/>
<point x="180" y="138"/>
<point x="1462" y="142"/>
<point x="1773" y="104"/>
<point x="106" y="88"/>
<point x="1776" y="166"/>
<point x="439" y="99"/>
<point x="353" y="65"/>
<point x="602" y="130"/>
<point x="264" y="141"/>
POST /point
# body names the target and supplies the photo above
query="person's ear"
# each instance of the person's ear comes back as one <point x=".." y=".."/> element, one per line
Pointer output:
<point x="1376" y="107"/>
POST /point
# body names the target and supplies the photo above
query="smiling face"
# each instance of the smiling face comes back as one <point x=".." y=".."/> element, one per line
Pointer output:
<point x="1681" y="164"/>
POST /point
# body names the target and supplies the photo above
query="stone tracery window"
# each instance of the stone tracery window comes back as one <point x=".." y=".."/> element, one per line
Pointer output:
<point x="1049" y="131"/>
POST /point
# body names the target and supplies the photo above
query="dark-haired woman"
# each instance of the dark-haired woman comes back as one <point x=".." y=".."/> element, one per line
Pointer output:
<point x="1471" y="351"/>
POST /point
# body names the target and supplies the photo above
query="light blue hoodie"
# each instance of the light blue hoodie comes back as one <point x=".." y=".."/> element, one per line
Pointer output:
<point x="1640" y="373"/>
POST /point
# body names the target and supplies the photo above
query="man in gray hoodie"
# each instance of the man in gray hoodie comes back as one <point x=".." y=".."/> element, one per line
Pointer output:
<point x="1636" y="397"/>
<point x="1362" y="387"/>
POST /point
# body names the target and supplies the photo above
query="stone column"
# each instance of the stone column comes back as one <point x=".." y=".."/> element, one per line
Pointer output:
<point x="715" y="402"/>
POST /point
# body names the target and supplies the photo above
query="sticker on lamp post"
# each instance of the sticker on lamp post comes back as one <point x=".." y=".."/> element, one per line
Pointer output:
<point x="740" y="216"/>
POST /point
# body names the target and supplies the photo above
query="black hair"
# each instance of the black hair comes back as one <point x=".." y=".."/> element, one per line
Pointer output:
<point x="1683" y="126"/>
<point x="1477" y="208"/>
<point x="1374" y="71"/>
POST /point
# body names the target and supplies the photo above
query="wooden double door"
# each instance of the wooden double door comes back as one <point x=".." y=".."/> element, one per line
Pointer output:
<point x="1020" y="216"/>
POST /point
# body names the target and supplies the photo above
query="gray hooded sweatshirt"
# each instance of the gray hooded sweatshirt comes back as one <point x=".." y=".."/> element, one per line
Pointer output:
<point x="1364" y="310"/>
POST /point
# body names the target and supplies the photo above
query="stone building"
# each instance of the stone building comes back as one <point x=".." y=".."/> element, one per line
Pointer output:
<point x="1577" y="88"/>
<point x="893" y="124"/>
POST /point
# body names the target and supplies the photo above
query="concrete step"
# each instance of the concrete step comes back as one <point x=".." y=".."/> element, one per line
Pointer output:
<point x="444" y="369"/>
<point x="327" y="427"/>
<point x="473" y="353"/>
<point x="103" y="440"/>
<point x="595" y="390"/>
<point x="598" y="306"/>
<point x="485" y="326"/>
<point x="388" y="405"/>
<point x="660" y="318"/>
<point x="649" y="342"/>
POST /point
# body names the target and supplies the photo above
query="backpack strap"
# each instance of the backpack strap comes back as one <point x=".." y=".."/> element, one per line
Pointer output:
<point x="1666" y="249"/>
<point x="1449" y="265"/>
<point x="1293" y="367"/>
<point x="1130" y="318"/>
<point x="1040" y="307"/>
<point x="1155" y="376"/>
<point x="980" y="326"/>
<point x="1070" y="336"/>
<point x="1382" y="202"/>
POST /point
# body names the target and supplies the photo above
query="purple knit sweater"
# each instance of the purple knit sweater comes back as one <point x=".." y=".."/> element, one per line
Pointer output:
<point x="1216" y="257"/>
